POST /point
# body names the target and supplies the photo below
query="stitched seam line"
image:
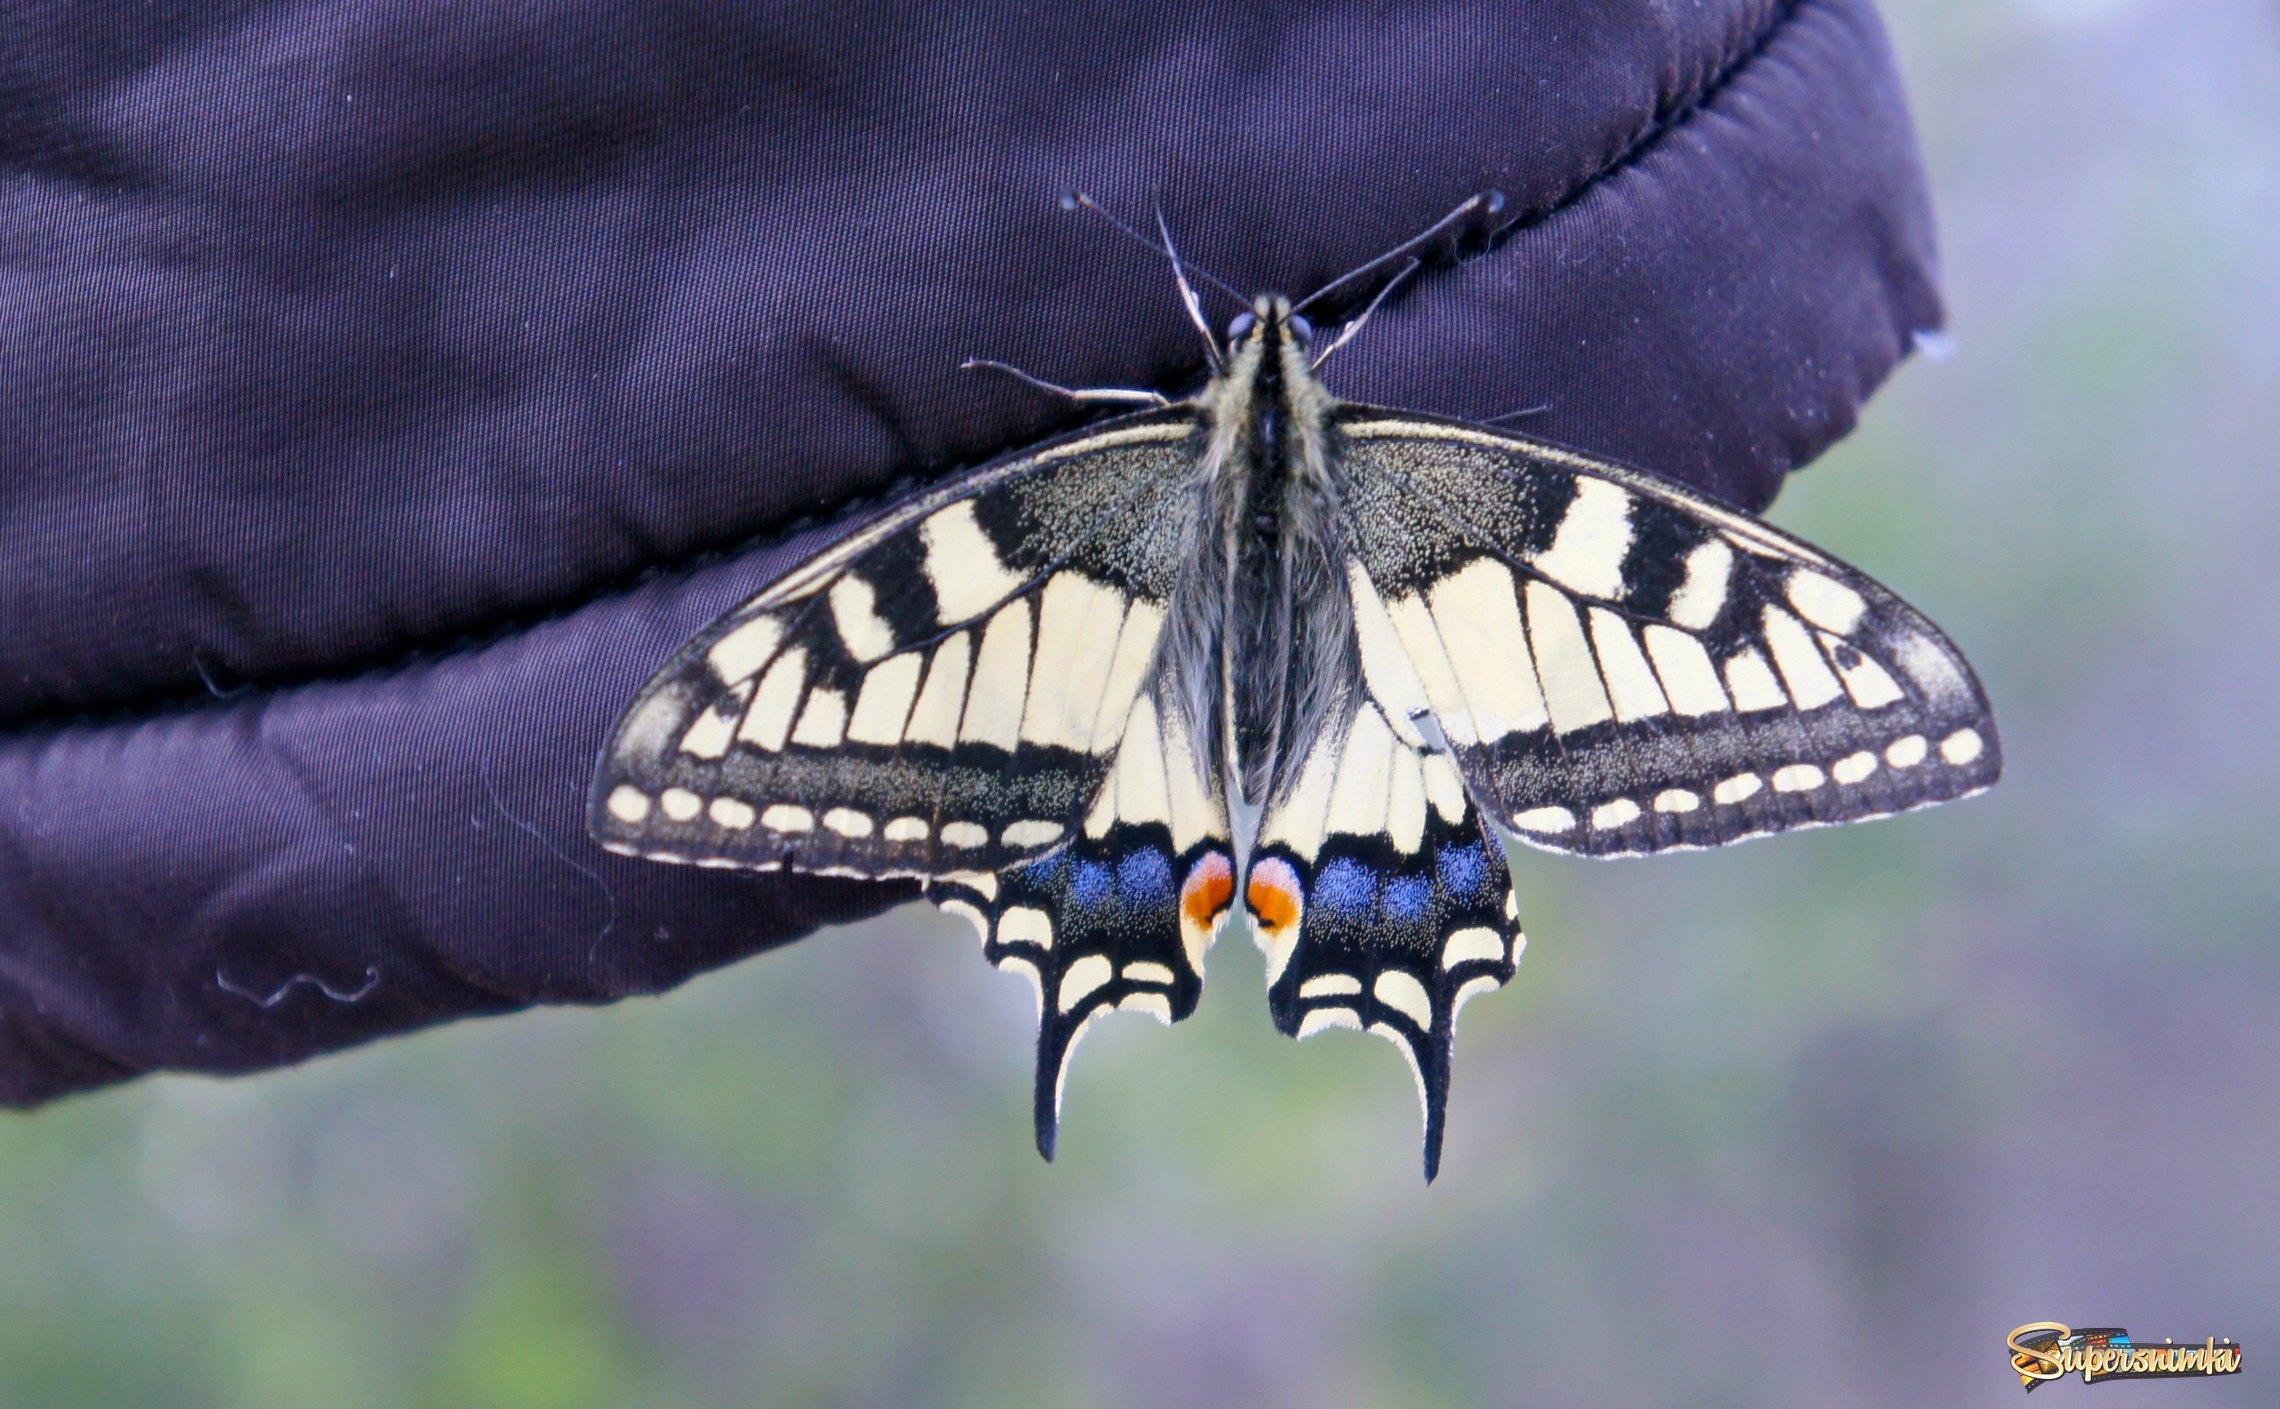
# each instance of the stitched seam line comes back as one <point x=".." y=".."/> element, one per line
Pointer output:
<point x="1670" y="120"/>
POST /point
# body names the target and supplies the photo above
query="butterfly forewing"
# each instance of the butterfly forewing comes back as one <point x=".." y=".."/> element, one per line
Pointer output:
<point x="943" y="692"/>
<point x="1624" y="667"/>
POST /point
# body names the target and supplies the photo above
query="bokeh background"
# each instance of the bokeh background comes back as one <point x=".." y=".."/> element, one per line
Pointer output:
<point x="1811" y="1122"/>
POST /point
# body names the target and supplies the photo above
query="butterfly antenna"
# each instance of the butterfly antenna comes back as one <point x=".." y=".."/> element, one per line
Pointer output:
<point x="1354" y="325"/>
<point x="1487" y="202"/>
<point x="1187" y="293"/>
<point x="1115" y="396"/>
<point x="1180" y="267"/>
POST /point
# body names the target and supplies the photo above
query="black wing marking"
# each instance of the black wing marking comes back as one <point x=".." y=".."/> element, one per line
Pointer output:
<point x="1121" y="916"/>
<point x="1381" y="901"/>
<point x="941" y="692"/>
<point x="1622" y="666"/>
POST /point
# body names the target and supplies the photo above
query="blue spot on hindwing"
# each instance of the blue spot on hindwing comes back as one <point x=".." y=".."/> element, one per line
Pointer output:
<point x="1345" y="884"/>
<point x="1464" y="869"/>
<point x="1408" y="897"/>
<point x="1090" y="881"/>
<point x="1145" y="876"/>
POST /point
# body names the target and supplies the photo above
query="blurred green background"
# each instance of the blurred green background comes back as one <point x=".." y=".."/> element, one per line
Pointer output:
<point x="1810" y="1122"/>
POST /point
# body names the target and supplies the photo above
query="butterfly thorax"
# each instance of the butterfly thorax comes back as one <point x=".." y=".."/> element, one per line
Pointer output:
<point x="1280" y="636"/>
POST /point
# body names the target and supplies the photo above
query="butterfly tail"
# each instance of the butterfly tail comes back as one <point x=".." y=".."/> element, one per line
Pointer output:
<point x="1370" y="937"/>
<point x="1103" y="924"/>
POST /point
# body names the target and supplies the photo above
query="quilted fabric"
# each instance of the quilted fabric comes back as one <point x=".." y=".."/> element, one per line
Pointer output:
<point x="387" y="387"/>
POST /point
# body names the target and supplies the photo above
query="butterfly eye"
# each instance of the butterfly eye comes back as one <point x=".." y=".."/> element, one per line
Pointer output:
<point x="1242" y="324"/>
<point x="1303" y="329"/>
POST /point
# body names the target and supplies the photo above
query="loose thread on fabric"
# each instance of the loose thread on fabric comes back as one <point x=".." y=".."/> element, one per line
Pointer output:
<point x="609" y="922"/>
<point x="198" y="663"/>
<point x="354" y="995"/>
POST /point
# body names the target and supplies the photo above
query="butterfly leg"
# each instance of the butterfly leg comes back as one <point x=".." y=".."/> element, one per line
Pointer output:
<point x="1117" y="921"/>
<point x="1111" y="395"/>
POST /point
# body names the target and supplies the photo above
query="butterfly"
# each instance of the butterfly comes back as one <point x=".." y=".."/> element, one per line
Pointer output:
<point x="1265" y="648"/>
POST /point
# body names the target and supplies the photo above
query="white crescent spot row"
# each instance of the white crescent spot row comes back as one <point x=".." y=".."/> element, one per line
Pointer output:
<point x="631" y="806"/>
<point x="1957" y="749"/>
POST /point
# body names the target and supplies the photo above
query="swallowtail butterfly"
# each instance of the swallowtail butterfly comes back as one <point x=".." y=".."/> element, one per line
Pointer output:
<point x="1377" y="639"/>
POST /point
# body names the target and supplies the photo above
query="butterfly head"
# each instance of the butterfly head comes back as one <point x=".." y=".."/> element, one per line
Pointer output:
<point x="1268" y="316"/>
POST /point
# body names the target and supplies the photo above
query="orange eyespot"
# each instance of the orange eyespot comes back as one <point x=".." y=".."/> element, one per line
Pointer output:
<point x="1209" y="888"/>
<point x="1273" y="894"/>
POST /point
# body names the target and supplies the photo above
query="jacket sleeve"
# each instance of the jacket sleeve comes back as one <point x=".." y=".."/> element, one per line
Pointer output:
<point x="389" y="389"/>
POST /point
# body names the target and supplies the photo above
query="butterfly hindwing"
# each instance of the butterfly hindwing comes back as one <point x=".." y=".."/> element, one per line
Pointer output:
<point x="942" y="692"/>
<point x="1121" y="915"/>
<point x="1380" y="900"/>
<point x="1622" y="666"/>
